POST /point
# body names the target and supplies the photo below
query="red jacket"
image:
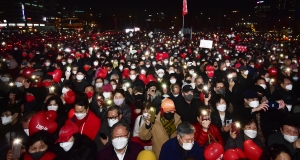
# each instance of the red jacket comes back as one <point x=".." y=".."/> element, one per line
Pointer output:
<point x="46" y="156"/>
<point x="204" y="138"/>
<point x="90" y="127"/>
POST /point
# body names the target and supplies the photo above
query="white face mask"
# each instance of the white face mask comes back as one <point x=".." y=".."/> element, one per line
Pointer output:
<point x="151" y="57"/>
<point x="47" y="64"/>
<point x="267" y="79"/>
<point x="289" y="138"/>
<point x="4" y="79"/>
<point x="66" y="145"/>
<point x="121" y="68"/>
<point x="147" y="66"/>
<point x="63" y="63"/>
<point x="289" y="87"/>
<point x="250" y="133"/>
<point x="124" y="88"/>
<point x="289" y="107"/>
<point x="132" y="67"/>
<point x="153" y="63"/>
<point x="18" y="84"/>
<point x="69" y="61"/>
<point x="132" y="77"/>
<point x="263" y="86"/>
<point x="119" y="143"/>
<point x="106" y="95"/>
<point x="112" y="122"/>
<point x="295" y="78"/>
<point x="172" y="81"/>
<point x="145" y="115"/>
<point x="26" y="131"/>
<point x="252" y="66"/>
<point x="96" y="63"/>
<point x="160" y="75"/>
<point x="52" y="108"/>
<point x="187" y="146"/>
<point x="6" y="120"/>
<point x="224" y="69"/>
<point x="191" y="72"/>
<point x="64" y="90"/>
<point x="79" y="77"/>
<point x="227" y="64"/>
<point x="80" y="116"/>
<point x="99" y="85"/>
<point x="74" y="72"/>
<point x="221" y="107"/>
<point x="246" y="72"/>
<point x="114" y="87"/>
<point x="253" y="104"/>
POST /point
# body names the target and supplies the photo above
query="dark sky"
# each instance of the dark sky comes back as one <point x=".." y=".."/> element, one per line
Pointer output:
<point x="172" y="7"/>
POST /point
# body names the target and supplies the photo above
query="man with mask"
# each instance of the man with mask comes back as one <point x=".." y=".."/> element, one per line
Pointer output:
<point x="70" y="141"/>
<point x="163" y="128"/>
<point x="114" y="115"/>
<point x="244" y="78"/>
<point x="175" y="95"/>
<point x="80" y="81"/>
<point x="288" y="136"/>
<point x="285" y="93"/>
<point x="188" y="107"/>
<point x="221" y="72"/>
<point x="182" y="146"/>
<point x="87" y="122"/>
<point x="134" y="79"/>
<point x="198" y="87"/>
<point x="122" y="148"/>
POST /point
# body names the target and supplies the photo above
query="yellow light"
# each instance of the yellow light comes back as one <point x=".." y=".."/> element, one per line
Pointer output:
<point x="205" y="88"/>
<point x="237" y="124"/>
<point x="204" y="112"/>
<point x="164" y="85"/>
<point x="33" y="77"/>
<point x="17" y="141"/>
<point x="52" y="88"/>
<point x="11" y="84"/>
<point x="229" y="76"/>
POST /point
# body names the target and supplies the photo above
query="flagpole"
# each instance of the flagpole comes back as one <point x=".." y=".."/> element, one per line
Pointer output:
<point x="182" y="23"/>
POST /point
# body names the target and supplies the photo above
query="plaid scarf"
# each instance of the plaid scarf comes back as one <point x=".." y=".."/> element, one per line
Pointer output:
<point x="169" y="126"/>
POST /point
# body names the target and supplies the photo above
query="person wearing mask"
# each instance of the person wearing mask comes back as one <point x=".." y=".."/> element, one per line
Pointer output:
<point x="279" y="152"/>
<point x="244" y="78"/>
<point x="175" y="95"/>
<point x="10" y="120"/>
<point x="134" y="80"/>
<point x="90" y="72"/>
<point x="54" y="103"/>
<point x="114" y="115"/>
<point x="87" y="122"/>
<point x="182" y="146"/>
<point x="248" y="132"/>
<point x="38" y="147"/>
<point x="154" y="95"/>
<point x="70" y="142"/>
<point x="98" y="83"/>
<point x="205" y="132"/>
<point x="285" y="93"/>
<point x="163" y="128"/>
<point x="198" y="87"/>
<point x="80" y="81"/>
<point x="122" y="148"/>
<point x="47" y="68"/>
<point x="119" y="100"/>
<point x="287" y="136"/>
<point x="23" y="132"/>
<point x="220" y="117"/>
<point x="188" y="107"/>
<point x="221" y="72"/>
<point x="139" y="121"/>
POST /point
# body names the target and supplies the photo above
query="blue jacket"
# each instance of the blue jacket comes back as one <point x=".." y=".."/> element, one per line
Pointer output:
<point x="171" y="150"/>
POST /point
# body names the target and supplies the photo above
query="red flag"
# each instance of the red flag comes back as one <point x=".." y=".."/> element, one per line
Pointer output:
<point x="241" y="48"/>
<point x="184" y="8"/>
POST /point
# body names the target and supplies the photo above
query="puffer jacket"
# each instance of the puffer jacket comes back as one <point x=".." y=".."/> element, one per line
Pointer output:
<point x="202" y="137"/>
<point x="157" y="133"/>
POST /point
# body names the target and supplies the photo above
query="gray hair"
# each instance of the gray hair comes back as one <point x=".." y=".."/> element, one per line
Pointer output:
<point x="185" y="128"/>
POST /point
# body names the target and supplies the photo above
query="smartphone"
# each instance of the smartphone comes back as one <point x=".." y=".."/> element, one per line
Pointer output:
<point x="228" y="122"/>
<point x="103" y="136"/>
<point x="236" y="127"/>
<point x="273" y="105"/>
<point x="16" y="149"/>
<point x="152" y="112"/>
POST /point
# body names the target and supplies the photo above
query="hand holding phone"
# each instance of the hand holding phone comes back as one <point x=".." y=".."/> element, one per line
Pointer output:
<point x="152" y="112"/>
<point x="16" y="149"/>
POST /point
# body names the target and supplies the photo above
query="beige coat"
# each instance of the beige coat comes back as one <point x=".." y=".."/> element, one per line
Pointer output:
<point x="157" y="133"/>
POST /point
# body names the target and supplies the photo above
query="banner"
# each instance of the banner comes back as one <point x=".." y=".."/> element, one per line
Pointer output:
<point x="206" y="44"/>
<point x="184" y="8"/>
<point x="241" y="48"/>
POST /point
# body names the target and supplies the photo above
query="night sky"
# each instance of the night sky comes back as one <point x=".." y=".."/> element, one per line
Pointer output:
<point x="169" y="7"/>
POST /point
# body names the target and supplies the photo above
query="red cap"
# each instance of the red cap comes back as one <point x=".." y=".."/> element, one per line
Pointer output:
<point x="107" y="88"/>
<point x="66" y="132"/>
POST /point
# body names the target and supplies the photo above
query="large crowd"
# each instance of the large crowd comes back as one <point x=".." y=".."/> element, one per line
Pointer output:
<point x="149" y="96"/>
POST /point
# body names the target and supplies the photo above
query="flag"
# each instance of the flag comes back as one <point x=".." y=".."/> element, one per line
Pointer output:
<point x="184" y="8"/>
<point x="241" y="48"/>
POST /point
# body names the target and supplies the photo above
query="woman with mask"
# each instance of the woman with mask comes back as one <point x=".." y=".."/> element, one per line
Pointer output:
<point x="221" y="118"/>
<point x="119" y="100"/>
<point x="70" y="143"/>
<point x="139" y="121"/>
<point x="38" y="147"/>
<point x="98" y="83"/>
<point x="54" y="103"/>
<point x="136" y="103"/>
<point x="10" y="120"/>
<point x="114" y="84"/>
<point x="68" y="86"/>
<point x="163" y="128"/>
<point x="248" y="132"/>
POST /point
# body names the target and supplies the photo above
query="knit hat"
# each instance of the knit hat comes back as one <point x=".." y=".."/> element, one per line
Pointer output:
<point x="168" y="105"/>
